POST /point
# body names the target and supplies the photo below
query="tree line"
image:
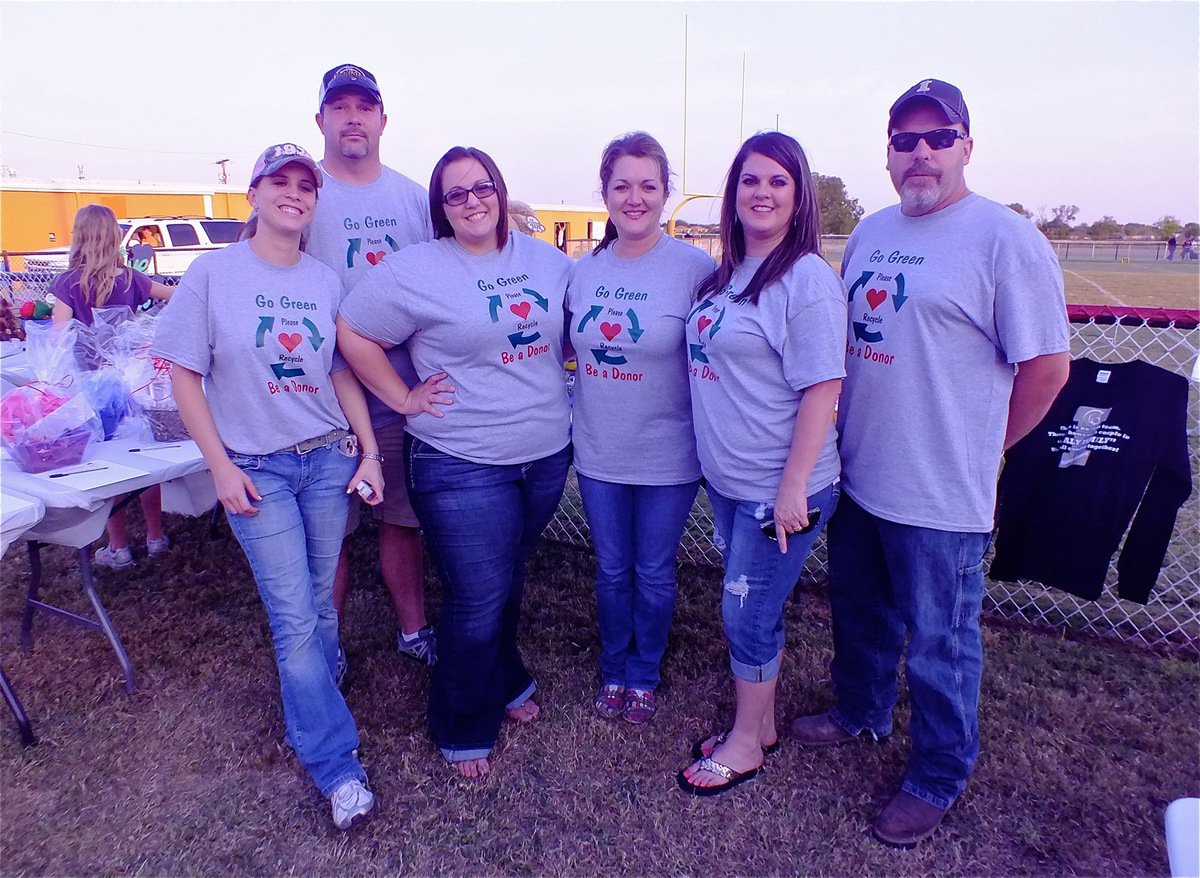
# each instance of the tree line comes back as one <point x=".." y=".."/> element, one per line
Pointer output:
<point x="840" y="213"/>
<point x="1056" y="222"/>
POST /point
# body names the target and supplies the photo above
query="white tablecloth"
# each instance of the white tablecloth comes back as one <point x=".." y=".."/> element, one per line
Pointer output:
<point x="14" y="371"/>
<point x="77" y="505"/>
<point x="18" y="513"/>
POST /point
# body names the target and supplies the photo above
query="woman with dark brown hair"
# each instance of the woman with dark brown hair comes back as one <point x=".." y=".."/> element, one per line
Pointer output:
<point x="767" y="350"/>
<point x="480" y="309"/>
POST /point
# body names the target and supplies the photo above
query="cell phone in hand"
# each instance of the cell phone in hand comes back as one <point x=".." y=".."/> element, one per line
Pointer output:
<point x="814" y="518"/>
<point x="365" y="490"/>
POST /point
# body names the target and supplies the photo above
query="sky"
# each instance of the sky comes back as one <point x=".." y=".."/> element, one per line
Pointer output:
<point x="1094" y="104"/>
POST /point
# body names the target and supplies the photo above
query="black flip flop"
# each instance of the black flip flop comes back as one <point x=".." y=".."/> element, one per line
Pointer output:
<point x="708" y="764"/>
<point x="698" y="753"/>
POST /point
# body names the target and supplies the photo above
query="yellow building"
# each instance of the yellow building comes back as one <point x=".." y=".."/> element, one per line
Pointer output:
<point x="37" y="214"/>
<point x="571" y="222"/>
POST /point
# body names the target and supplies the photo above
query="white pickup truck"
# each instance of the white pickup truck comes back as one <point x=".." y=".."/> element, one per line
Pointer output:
<point x="160" y="245"/>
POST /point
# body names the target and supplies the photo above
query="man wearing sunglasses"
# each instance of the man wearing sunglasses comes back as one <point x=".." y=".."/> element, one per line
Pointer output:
<point x="366" y="211"/>
<point x="958" y="345"/>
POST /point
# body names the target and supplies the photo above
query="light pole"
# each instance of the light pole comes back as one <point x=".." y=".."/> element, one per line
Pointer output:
<point x="692" y="196"/>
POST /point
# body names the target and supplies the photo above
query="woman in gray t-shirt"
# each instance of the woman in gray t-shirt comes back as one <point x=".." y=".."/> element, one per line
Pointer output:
<point x="635" y="451"/>
<point x="480" y="309"/>
<point x="250" y="335"/>
<point x="766" y="355"/>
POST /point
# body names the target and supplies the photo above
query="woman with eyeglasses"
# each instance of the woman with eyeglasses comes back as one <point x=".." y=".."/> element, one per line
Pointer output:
<point x="480" y="309"/>
<point x="766" y="354"/>
<point x="635" y="450"/>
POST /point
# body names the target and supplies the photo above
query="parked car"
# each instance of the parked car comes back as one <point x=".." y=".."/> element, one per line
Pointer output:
<point x="160" y="245"/>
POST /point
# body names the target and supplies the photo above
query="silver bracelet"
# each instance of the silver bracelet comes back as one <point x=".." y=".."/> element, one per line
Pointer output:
<point x="371" y="455"/>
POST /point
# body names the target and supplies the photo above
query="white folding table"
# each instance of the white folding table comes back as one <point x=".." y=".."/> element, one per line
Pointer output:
<point x="18" y="513"/>
<point x="78" y="500"/>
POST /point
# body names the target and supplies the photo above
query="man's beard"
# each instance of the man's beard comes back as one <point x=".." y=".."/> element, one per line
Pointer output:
<point x="354" y="149"/>
<point x="919" y="198"/>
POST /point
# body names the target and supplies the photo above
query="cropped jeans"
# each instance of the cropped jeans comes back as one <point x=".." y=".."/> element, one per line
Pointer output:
<point x="635" y="531"/>
<point x="292" y="545"/>
<point x="759" y="579"/>
<point x="888" y="579"/>
<point x="481" y="522"/>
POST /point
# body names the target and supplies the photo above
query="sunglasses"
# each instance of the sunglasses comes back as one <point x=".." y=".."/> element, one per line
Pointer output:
<point x="938" y="138"/>
<point x="458" y="195"/>
<point x="814" y="518"/>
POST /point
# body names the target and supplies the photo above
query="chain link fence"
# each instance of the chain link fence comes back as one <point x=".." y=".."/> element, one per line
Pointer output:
<point x="26" y="276"/>
<point x="1171" y="617"/>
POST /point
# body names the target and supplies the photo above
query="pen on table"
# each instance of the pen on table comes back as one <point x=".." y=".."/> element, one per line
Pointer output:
<point x="156" y="447"/>
<point x="77" y="472"/>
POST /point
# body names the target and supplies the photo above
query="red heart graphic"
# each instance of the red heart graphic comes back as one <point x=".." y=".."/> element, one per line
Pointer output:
<point x="376" y="257"/>
<point x="290" y="341"/>
<point x="702" y="324"/>
<point x="610" y="330"/>
<point x="521" y="310"/>
<point x="875" y="298"/>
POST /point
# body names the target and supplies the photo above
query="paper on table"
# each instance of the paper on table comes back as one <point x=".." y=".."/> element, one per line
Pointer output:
<point x="183" y="451"/>
<point x="93" y="474"/>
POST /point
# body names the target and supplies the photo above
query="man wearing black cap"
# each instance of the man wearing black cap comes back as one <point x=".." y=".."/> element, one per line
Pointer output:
<point x="366" y="211"/>
<point x="958" y="345"/>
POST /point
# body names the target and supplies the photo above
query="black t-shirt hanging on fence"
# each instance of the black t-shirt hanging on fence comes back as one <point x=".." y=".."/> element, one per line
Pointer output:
<point x="1113" y="443"/>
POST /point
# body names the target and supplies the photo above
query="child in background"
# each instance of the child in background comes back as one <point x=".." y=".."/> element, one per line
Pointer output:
<point x="97" y="277"/>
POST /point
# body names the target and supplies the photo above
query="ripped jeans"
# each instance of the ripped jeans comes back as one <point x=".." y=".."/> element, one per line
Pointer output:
<point x="759" y="579"/>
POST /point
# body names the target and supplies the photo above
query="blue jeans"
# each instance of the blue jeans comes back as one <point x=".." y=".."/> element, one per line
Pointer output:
<point x="759" y="579"/>
<point x="480" y="523"/>
<point x="292" y="545"/>
<point x="885" y="579"/>
<point x="635" y="531"/>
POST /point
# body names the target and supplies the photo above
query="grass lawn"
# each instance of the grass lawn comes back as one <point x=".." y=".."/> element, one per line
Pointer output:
<point x="1084" y="744"/>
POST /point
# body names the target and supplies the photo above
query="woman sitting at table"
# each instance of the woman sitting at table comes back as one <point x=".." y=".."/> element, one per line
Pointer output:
<point x="250" y="335"/>
<point x="484" y="306"/>
<point x="97" y="277"/>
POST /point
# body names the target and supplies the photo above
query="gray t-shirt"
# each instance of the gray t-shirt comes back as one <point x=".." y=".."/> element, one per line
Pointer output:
<point x="355" y="226"/>
<point x="263" y="338"/>
<point x="941" y="307"/>
<point x="632" y="417"/>
<point x="749" y="367"/>
<point x="494" y="324"/>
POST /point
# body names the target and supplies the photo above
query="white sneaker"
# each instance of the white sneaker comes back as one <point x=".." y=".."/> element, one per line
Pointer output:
<point x="158" y="547"/>
<point x="117" y="559"/>
<point x="351" y="802"/>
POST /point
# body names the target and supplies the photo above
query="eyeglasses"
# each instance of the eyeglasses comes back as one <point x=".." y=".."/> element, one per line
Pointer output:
<point x="814" y="518"/>
<point x="938" y="138"/>
<point x="458" y="195"/>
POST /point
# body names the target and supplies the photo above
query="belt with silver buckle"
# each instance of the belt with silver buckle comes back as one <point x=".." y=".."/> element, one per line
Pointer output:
<point x="330" y="438"/>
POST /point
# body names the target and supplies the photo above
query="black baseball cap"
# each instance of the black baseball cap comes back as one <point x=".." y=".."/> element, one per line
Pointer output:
<point x="349" y="76"/>
<point x="947" y="96"/>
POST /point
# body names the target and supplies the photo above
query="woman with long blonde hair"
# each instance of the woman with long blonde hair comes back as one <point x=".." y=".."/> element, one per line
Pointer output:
<point x="97" y="277"/>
